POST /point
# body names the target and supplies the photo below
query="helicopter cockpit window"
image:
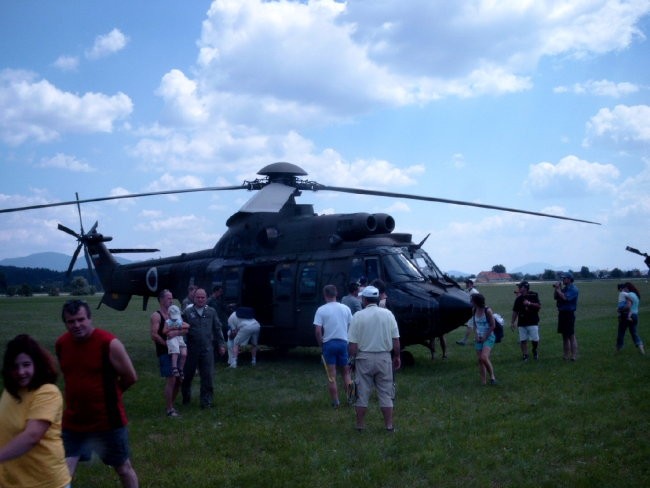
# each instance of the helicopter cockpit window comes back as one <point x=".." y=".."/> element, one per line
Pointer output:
<point x="308" y="280"/>
<point x="399" y="268"/>
<point x="427" y="266"/>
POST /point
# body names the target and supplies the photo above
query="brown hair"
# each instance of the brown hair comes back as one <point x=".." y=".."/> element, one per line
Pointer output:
<point x="45" y="370"/>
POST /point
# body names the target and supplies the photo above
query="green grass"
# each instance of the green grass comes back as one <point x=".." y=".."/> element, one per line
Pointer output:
<point x="548" y="423"/>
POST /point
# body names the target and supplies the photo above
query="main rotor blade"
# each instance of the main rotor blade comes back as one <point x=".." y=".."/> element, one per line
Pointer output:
<point x="91" y="270"/>
<point x="74" y="259"/>
<point x="121" y="197"/>
<point x="359" y="191"/>
<point x="120" y="250"/>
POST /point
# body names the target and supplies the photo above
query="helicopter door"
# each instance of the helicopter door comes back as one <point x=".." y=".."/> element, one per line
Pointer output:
<point x="257" y="292"/>
<point x="309" y="297"/>
<point x="284" y="296"/>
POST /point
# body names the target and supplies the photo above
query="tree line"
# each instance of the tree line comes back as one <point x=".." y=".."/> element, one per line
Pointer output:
<point x="15" y="281"/>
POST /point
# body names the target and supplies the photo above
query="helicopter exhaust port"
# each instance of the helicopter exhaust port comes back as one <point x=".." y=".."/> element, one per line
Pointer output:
<point x="385" y="223"/>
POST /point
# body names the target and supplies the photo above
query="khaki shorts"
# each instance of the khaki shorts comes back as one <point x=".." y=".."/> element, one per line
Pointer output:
<point x="374" y="370"/>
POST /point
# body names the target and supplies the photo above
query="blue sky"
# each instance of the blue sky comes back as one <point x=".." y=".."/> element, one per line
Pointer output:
<point x="541" y="105"/>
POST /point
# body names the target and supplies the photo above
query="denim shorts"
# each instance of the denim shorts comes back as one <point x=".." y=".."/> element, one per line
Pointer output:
<point x="336" y="352"/>
<point x="165" y="365"/>
<point x="112" y="446"/>
<point x="489" y="342"/>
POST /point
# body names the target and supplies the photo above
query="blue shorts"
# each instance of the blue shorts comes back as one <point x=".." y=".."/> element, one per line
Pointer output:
<point x="112" y="446"/>
<point x="165" y="365"/>
<point x="336" y="352"/>
<point x="489" y="342"/>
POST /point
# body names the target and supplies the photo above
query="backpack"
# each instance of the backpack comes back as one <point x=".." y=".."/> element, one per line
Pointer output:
<point x="498" y="326"/>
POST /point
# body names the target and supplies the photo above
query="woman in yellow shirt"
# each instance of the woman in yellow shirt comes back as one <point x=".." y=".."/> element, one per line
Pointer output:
<point x="31" y="405"/>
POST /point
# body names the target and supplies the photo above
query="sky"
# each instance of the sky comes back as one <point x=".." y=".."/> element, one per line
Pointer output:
<point x="539" y="105"/>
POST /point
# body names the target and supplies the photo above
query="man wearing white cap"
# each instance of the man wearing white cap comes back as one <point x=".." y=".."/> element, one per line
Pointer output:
<point x="374" y="345"/>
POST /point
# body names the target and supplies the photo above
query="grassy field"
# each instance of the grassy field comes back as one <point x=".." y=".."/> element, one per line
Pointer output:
<point x="547" y="423"/>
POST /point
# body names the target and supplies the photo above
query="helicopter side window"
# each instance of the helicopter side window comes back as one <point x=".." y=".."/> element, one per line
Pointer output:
<point x="283" y="281"/>
<point x="231" y="285"/>
<point x="399" y="268"/>
<point x="372" y="269"/>
<point x="308" y="280"/>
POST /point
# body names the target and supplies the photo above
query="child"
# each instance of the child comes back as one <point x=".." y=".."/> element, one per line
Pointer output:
<point x="622" y="302"/>
<point x="176" y="345"/>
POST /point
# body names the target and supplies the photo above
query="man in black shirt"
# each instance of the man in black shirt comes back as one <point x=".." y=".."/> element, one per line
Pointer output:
<point x="525" y="316"/>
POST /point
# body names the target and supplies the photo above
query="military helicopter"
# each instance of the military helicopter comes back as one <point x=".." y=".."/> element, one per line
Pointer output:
<point x="277" y="255"/>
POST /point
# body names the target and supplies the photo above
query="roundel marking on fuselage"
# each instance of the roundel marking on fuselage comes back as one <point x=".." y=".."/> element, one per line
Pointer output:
<point x="152" y="279"/>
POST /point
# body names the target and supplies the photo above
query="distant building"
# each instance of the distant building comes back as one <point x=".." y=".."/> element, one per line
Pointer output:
<point x="492" y="277"/>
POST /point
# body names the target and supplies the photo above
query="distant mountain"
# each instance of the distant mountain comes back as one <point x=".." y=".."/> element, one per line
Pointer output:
<point x="55" y="261"/>
<point x="532" y="268"/>
<point x="538" y="268"/>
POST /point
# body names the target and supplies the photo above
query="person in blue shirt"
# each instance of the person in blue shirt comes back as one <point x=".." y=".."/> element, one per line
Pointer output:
<point x="566" y="298"/>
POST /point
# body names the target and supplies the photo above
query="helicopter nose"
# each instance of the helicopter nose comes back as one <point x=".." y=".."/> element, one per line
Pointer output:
<point x="455" y="309"/>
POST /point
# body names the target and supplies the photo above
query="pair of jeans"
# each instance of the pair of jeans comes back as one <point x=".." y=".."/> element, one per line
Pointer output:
<point x="623" y="325"/>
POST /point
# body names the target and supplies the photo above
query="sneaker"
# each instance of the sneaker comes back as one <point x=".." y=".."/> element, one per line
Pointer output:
<point x="525" y="358"/>
<point x="493" y="381"/>
<point x="460" y="343"/>
<point x="535" y="356"/>
<point x="335" y="404"/>
<point x="253" y="362"/>
<point x="641" y="349"/>
<point x="173" y="413"/>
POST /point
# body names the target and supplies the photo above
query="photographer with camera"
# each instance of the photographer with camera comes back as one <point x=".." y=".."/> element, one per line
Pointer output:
<point x="566" y="299"/>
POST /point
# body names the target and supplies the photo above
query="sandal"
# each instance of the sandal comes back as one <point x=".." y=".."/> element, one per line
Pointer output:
<point x="176" y="372"/>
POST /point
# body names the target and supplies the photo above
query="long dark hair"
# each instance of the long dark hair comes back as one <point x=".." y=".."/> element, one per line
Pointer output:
<point x="477" y="300"/>
<point x="45" y="370"/>
<point x="632" y="288"/>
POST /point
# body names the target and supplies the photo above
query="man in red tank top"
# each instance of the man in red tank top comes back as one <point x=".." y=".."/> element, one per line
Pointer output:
<point x="97" y="370"/>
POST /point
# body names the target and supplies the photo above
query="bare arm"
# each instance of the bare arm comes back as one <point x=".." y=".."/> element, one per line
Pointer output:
<point x="513" y="321"/>
<point x="122" y="364"/>
<point x="353" y="349"/>
<point x="155" y="324"/>
<point x="397" y="359"/>
<point x="25" y="441"/>
<point x="175" y="331"/>
<point x="318" y="330"/>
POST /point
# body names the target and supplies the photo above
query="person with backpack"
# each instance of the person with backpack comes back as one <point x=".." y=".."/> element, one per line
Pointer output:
<point x="525" y="316"/>
<point x="484" y="324"/>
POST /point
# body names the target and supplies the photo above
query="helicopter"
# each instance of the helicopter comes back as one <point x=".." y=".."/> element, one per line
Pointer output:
<point x="277" y="255"/>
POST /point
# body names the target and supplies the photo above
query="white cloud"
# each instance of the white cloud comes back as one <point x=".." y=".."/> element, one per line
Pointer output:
<point x="570" y="177"/>
<point x="604" y="88"/>
<point x="623" y="124"/>
<point x="107" y="44"/>
<point x="65" y="161"/>
<point x="66" y="63"/>
<point x="181" y="94"/>
<point x="39" y="111"/>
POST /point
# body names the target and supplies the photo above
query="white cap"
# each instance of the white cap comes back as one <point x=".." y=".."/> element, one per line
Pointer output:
<point x="370" y="292"/>
<point x="174" y="312"/>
